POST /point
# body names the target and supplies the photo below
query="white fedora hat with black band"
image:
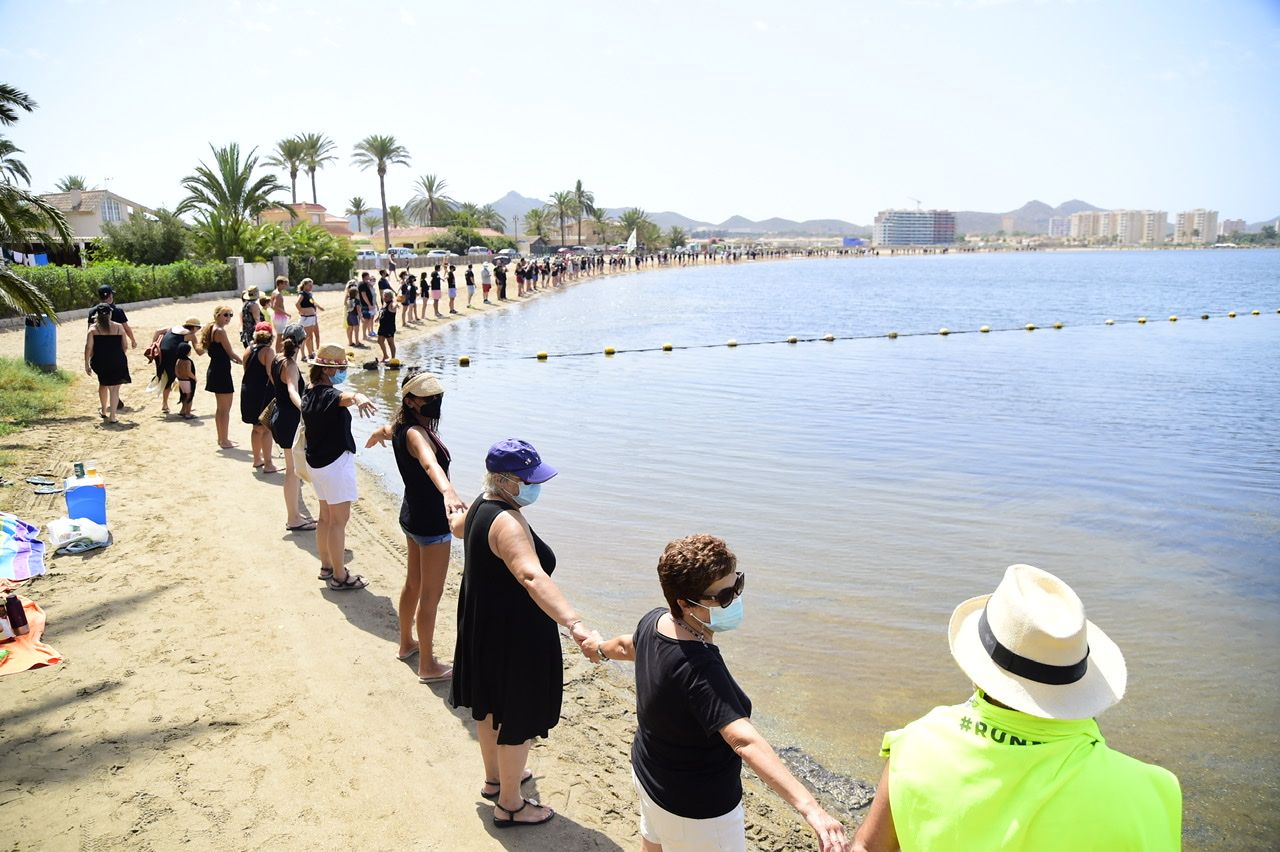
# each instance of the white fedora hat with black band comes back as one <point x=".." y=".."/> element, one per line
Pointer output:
<point x="1028" y="645"/>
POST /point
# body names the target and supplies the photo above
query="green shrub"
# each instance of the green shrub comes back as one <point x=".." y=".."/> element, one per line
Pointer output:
<point x="71" y="287"/>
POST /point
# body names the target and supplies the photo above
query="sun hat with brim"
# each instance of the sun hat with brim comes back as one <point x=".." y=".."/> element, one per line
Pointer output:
<point x="1029" y="645"/>
<point x="191" y="322"/>
<point x="421" y="384"/>
<point x="331" y="356"/>
<point x="251" y="293"/>
<point x="520" y="459"/>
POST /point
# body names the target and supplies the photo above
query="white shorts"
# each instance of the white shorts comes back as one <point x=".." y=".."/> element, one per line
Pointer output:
<point x="308" y="322"/>
<point x="725" y="833"/>
<point x="279" y="321"/>
<point x="336" y="482"/>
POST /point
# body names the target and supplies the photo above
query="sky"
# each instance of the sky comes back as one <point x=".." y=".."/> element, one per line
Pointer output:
<point x="710" y="108"/>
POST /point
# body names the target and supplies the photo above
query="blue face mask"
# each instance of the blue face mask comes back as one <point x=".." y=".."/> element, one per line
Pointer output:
<point x="723" y="617"/>
<point x="527" y="494"/>
<point x="339" y="377"/>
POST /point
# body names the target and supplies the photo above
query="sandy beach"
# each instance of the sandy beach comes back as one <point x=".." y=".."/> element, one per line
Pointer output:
<point x="215" y="695"/>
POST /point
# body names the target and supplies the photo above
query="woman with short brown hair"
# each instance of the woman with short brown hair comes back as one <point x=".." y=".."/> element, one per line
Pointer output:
<point x="693" y="721"/>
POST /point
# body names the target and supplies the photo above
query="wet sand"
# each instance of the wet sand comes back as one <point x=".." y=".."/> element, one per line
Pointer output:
<point x="215" y="694"/>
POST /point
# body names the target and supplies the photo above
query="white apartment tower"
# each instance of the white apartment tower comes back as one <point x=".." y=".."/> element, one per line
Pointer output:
<point x="1197" y="226"/>
<point x="1126" y="227"/>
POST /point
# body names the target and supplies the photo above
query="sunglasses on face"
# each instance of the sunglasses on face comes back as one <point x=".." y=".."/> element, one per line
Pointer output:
<point x="227" y="316"/>
<point x="727" y="595"/>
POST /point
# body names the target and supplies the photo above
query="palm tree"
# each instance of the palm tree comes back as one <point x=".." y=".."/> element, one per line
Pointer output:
<point x="288" y="155"/>
<point x="71" y="182"/>
<point x="676" y="237"/>
<point x="356" y="207"/>
<point x="491" y="218"/>
<point x="586" y="201"/>
<point x="536" y="221"/>
<point x="372" y="222"/>
<point x="227" y="198"/>
<point x="12" y="169"/>
<point x="601" y="218"/>
<point x="380" y="152"/>
<point x="395" y="215"/>
<point x="634" y="219"/>
<point x="24" y="216"/>
<point x="317" y="150"/>
<point x="429" y="202"/>
<point x="565" y="207"/>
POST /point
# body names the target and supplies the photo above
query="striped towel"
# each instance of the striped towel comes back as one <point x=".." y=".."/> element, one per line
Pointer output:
<point x="21" y="550"/>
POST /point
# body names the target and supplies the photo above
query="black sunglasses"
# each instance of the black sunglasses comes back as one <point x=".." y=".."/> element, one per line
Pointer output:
<point x="726" y="596"/>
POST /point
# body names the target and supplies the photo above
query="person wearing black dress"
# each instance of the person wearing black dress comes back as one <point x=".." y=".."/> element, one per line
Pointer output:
<point x="506" y="665"/>
<point x="104" y="355"/>
<point x="429" y="500"/>
<point x="169" y="339"/>
<point x="254" y="394"/>
<point x="217" y="380"/>
<point x="287" y="387"/>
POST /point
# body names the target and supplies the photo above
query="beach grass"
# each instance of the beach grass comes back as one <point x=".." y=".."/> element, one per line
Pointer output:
<point x="28" y="395"/>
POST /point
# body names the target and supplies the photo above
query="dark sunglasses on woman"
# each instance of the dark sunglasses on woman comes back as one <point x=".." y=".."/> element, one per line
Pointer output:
<point x="726" y="596"/>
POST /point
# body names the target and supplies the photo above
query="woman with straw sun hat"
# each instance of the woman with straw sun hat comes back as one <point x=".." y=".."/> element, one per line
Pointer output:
<point x="331" y="455"/>
<point x="429" y="501"/>
<point x="1022" y="764"/>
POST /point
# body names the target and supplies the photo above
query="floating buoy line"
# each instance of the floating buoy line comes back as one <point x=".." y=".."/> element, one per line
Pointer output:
<point x="465" y="360"/>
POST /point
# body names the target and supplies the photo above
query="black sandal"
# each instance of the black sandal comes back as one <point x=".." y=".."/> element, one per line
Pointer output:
<point x="513" y="822"/>
<point x="493" y="797"/>
<point x="351" y="584"/>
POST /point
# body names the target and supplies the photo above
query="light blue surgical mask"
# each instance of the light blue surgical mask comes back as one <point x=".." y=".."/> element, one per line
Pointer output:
<point x="527" y="494"/>
<point x="339" y="377"/>
<point x="723" y="617"/>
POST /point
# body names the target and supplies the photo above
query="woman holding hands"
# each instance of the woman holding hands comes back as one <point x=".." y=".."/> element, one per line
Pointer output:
<point x="429" y="501"/>
<point x="217" y="380"/>
<point x="507" y="666"/>
<point x="693" y="721"/>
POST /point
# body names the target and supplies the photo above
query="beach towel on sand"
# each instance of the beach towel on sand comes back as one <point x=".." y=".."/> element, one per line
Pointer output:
<point x="21" y="550"/>
<point x="28" y="652"/>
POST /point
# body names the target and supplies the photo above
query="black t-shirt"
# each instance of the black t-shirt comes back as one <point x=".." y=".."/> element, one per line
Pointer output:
<point x="684" y="696"/>
<point x="365" y="292"/>
<point x="328" y="425"/>
<point x="117" y="314"/>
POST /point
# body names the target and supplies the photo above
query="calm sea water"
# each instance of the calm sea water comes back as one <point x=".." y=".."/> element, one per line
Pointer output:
<point x="870" y="485"/>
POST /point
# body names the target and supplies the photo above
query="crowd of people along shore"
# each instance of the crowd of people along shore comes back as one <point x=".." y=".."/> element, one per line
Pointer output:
<point x="1019" y="764"/>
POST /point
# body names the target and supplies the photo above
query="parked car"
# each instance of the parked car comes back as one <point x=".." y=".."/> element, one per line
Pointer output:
<point x="366" y="254"/>
<point x="480" y="250"/>
<point x="440" y="253"/>
<point x="401" y="253"/>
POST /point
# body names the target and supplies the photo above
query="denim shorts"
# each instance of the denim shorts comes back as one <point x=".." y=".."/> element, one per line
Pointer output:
<point x="426" y="540"/>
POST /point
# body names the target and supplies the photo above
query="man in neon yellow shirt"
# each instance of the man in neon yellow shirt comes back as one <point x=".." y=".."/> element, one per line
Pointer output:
<point x="1022" y="765"/>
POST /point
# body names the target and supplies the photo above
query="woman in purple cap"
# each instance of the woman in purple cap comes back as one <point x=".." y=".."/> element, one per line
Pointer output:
<point x="507" y="666"/>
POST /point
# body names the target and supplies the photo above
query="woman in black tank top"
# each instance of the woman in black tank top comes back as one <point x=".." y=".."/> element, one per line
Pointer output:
<point x="429" y="500"/>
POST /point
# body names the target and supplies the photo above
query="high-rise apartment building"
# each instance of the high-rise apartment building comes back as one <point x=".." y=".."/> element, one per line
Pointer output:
<point x="1059" y="226"/>
<point x="913" y="228"/>
<point x="1232" y="226"/>
<point x="1196" y="226"/>
<point x="1127" y="227"/>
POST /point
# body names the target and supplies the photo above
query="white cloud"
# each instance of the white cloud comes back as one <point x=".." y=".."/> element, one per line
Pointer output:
<point x="34" y="53"/>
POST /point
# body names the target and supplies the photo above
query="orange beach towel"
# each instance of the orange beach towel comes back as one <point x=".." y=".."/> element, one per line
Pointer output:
<point x="28" y="652"/>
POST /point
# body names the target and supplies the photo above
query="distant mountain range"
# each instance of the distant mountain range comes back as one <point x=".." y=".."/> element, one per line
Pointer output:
<point x="1032" y="218"/>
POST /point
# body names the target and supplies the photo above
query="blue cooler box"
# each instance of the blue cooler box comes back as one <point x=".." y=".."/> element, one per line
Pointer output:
<point x="87" y="498"/>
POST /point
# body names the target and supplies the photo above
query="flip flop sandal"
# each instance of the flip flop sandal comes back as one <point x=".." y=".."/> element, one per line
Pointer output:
<point x="513" y="823"/>
<point x="325" y="574"/>
<point x="41" y="480"/>
<point x="4" y="482"/>
<point x="305" y="526"/>
<point x="351" y="584"/>
<point x="82" y="546"/>
<point x="493" y="797"/>
<point x="444" y="678"/>
<point x="48" y="489"/>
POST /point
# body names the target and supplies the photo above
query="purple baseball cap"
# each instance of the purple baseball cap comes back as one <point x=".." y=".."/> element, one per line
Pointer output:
<point x="519" y="458"/>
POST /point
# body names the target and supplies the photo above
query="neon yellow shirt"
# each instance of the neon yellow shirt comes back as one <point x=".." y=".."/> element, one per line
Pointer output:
<point x="976" y="776"/>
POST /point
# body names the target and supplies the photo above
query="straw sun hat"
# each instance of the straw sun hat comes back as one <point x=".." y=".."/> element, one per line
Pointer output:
<point x="1028" y="645"/>
<point x="331" y="356"/>
<point x="421" y="384"/>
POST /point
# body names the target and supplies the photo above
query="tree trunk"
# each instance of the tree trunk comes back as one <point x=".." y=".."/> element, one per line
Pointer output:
<point x="313" y="186"/>
<point x="386" y="229"/>
<point x="293" y="186"/>
<point x="579" y="230"/>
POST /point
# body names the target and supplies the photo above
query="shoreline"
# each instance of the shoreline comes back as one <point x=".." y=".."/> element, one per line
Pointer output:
<point x="213" y="692"/>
